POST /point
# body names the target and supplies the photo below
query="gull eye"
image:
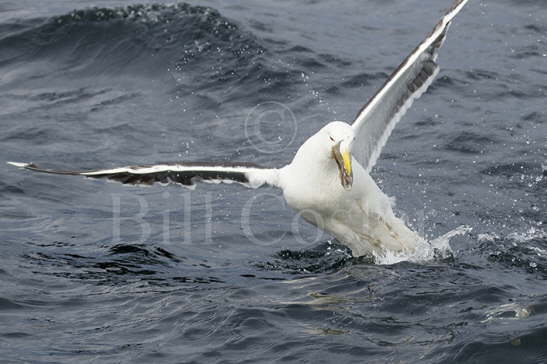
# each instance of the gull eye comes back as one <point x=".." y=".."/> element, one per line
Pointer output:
<point x="331" y="138"/>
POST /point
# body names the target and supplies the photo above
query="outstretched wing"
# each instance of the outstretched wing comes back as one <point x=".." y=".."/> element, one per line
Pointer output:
<point x="185" y="174"/>
<point x="378" y="117"/>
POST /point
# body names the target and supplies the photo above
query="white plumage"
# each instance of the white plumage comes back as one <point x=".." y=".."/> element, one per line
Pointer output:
<point x="361" y="217"/>
<point x="324" y="182"/>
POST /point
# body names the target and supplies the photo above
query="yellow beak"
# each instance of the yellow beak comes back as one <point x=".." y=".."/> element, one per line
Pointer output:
<point x="343" y="159"/>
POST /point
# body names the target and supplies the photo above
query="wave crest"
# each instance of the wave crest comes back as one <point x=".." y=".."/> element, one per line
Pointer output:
<point x="136" y="39"/>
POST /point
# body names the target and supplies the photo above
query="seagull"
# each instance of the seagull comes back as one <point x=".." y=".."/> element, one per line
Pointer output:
<point x="328" y="181"/>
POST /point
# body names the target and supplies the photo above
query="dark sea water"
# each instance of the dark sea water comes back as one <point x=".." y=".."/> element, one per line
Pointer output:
<point x="96" y="272"/>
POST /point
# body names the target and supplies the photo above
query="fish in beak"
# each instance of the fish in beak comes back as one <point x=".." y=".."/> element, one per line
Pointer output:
<point x="342" y="156"/>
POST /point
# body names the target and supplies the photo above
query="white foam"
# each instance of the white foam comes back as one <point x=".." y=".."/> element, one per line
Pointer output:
<point x="487" y="237"/>
<point x="500" y="312"/>
<point x="530" y="234"/>
<point x="427" y="251"/>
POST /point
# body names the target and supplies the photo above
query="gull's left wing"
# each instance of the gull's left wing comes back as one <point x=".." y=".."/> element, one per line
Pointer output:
<point x="378" y="117"/>
<point x="185" y="174"/>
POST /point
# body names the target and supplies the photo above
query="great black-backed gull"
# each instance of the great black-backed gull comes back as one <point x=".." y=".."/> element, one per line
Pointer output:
<point x="328" y="180"/>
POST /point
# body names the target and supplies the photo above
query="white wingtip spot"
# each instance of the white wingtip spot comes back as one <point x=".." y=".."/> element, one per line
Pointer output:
<point x="20" y="165"/>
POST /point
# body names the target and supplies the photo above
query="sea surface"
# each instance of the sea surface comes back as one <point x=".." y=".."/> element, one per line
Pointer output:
<point x="99" y="272"/>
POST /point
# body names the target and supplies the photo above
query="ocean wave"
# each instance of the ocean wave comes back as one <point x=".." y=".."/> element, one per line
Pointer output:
<point x="136" y="40"/>
<point x="120" y="264"/>
<point x="525" y="251"/>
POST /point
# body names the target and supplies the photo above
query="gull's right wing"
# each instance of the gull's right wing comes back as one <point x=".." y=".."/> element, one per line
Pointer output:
<point x="378" y="117"/>
<point x="185" y="174"/>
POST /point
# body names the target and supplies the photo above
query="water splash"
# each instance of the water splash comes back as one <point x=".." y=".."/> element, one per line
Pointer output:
<point x="510" y="311"/>
<point x="429" y="250"/>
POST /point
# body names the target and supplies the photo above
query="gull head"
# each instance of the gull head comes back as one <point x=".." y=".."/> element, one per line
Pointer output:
<point x="338" y="136"/>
